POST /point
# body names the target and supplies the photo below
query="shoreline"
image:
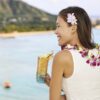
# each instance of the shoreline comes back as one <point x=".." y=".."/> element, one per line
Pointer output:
<point x="14" y="34"/>
<point x="97" y="26"/>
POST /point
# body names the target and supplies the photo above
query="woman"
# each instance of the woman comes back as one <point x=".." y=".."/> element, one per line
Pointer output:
<point x="76" y="68"/>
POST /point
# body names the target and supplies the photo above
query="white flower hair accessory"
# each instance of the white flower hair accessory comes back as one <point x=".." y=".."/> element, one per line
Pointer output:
<point x="71" y="19"/>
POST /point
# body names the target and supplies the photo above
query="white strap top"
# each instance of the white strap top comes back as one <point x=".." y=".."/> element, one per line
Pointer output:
<point x="84" y="84"/>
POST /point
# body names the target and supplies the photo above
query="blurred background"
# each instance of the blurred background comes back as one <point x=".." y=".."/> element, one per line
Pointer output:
<point x="26" y="32"/>
<point x="30" y="15"/>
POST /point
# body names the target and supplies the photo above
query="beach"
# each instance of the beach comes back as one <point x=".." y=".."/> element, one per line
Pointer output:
<point x="18" y="63"/>
<point x="15" y="34"/>
<point x="97" y="27"/>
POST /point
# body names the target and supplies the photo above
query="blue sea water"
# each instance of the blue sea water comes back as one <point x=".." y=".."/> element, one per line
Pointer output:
<point x="18" y="64"/>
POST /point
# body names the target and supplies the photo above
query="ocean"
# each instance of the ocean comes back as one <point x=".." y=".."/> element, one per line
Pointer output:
<point x="18" y="65"/>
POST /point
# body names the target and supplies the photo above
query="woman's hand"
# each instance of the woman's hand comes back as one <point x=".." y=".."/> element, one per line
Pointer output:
<point x="63" y="97"/>
<point x="47" y="79"/>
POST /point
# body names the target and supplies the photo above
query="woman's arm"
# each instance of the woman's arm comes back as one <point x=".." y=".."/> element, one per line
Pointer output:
<point x="59" y="63"/>
<point x="47" y="81"/>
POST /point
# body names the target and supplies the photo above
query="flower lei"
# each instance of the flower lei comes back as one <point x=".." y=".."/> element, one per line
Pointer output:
<point x="85" y="53"/>
<point x="71" y="19"/>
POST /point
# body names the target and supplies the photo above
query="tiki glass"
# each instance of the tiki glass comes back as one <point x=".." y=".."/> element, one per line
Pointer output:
<point x="42" y="67"/>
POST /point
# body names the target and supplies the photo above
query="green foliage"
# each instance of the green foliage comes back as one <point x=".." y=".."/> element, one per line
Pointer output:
<point x="23" y="17"/>
<point x="27" y="27"/>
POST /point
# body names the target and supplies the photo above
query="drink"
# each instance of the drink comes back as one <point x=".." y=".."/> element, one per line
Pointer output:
<point x="42" y="67"/>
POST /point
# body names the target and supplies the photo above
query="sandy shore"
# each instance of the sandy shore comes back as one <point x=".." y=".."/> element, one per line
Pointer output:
<point x="14" y="34"/>
<point x="97" y="27"/>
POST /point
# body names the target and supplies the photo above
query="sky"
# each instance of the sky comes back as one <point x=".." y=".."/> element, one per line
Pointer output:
<point x="54" y="6"/>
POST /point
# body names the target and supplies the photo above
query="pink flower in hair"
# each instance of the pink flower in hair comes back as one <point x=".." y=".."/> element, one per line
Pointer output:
<point x="71" y="19"/>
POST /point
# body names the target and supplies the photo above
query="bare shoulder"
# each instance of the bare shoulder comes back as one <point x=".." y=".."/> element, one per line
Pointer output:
<point x="63" y="62"/>
<point x="63" y="55"/>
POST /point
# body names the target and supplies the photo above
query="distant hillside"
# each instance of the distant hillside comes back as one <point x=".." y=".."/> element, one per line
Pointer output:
<point x="19" y="13"/>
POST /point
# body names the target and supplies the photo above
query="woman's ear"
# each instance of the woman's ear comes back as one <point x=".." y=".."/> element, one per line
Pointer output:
<point x="74" y="28"/>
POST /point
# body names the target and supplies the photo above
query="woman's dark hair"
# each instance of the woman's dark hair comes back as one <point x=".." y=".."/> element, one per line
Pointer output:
<point x="84" y="25"/>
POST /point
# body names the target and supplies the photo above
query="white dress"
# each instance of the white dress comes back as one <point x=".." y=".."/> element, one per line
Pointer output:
<point x="84" y="83"/>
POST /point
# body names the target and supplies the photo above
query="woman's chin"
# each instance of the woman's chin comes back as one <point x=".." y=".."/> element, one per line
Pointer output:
<point x="60" y="44"/>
